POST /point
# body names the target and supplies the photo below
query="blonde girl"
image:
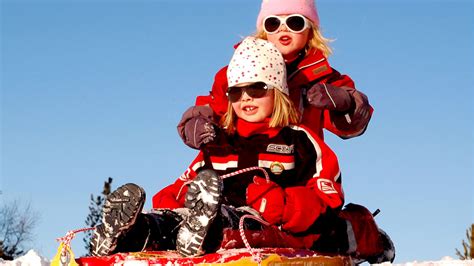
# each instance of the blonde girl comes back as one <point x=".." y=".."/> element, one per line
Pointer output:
<point x="323" y="97"/>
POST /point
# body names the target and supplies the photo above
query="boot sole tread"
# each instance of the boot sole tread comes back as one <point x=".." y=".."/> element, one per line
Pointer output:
<point x="121" y="209"/>
<point x="203" y="210"/>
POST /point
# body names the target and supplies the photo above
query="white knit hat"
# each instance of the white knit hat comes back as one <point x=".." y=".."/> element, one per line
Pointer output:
<point x="257" y="60"/>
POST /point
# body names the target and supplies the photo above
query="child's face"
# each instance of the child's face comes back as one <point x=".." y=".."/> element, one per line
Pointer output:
<point x="287" y="42"/>
<point x="254" y="109"/>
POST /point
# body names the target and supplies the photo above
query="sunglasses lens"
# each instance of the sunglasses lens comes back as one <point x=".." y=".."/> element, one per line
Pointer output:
<point x="271" y="24"/>
<point x="256" y="90"/>
<point x="295" y="23"/>
<point x="234" y="94"/>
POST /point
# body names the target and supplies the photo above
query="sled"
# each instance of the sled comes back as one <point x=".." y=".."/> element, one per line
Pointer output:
<point x="268" y="256"/>
<point x="230" y="256"/>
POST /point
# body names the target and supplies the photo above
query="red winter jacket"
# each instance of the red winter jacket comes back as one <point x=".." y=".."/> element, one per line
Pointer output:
<point x="313" y="68"/>
<point x="305" y="161"/>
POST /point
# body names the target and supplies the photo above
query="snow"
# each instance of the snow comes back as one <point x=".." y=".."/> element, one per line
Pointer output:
<point x="31" y="258"/>
<point x="207" y="197"/>
<point x="445" y="261"/>
<point x="203" y="219"/>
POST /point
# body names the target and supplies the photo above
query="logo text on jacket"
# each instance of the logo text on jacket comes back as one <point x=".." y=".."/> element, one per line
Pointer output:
<point x="280" y="148"/>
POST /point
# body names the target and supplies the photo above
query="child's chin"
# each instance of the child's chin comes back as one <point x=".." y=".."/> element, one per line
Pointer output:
<point x="253" y="119"/>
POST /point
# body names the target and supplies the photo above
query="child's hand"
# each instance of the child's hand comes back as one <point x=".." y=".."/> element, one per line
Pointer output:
<point x="294" y="208"/>
<point x="326" y="96"/>
<point x="196" y="126"/>
<point x="198" y="131"/>
<point x="267" y="198"/>
<point x="302" y="207"/>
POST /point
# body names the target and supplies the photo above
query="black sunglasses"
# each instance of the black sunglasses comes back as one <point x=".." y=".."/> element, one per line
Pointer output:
<point x="254" y="90"/>
<point x="295" y="23"/>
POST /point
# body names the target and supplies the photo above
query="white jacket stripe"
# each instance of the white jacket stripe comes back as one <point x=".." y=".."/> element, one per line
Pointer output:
<point x="319" y="163"/>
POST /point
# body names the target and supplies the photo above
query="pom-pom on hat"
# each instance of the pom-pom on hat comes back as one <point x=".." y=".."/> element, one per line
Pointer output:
<point x="257" y="60"/>
<point x="306" y="8"/>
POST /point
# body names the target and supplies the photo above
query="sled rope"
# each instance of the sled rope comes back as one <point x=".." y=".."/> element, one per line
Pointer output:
<point x="181" y="188"/>
<point x="66" y="240"/>
<point x="256" y="255"/>
<point x="238" y="172"/>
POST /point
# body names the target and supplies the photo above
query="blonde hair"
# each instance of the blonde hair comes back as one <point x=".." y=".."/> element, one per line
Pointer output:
<point x="315" y="40"/>
<point x="284" y="113"/>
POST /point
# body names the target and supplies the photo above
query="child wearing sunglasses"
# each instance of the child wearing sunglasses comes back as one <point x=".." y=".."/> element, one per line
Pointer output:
<point x="278" y="179"/>
<point x="324" y="97"/>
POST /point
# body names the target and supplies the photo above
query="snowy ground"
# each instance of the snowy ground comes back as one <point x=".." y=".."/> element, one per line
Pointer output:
<point x="33" y="259"/>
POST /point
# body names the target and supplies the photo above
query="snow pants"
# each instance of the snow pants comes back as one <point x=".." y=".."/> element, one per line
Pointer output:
<point x="352" y="231"/>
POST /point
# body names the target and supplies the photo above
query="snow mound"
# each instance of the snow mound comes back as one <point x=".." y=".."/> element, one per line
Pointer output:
<point x="445" y="261"/>
<point x="31" y="258"/>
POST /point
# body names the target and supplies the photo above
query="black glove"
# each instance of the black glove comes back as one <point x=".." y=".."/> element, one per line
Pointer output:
<point x="362" y="106"/>
<point x="197" y="126"/>
<point x="326" y="96"/>
<point x="354" y="121"/>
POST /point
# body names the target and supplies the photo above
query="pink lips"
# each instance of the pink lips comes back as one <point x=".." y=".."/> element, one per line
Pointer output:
<point x="285" y="40"/>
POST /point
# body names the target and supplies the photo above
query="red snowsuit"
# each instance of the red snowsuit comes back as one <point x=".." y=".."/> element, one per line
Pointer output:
<point x="309" y="173"/>
<point x="313" y="68"/>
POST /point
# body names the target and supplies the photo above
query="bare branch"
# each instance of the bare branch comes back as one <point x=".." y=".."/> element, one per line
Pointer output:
<point x="17" y="222"/>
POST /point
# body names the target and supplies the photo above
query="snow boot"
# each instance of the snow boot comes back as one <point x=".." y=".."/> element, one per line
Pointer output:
<point x="119" y="214"/>
<point x="367" y="242"/>
<point x="388" y="254"/>
<point x="203" y="199"/>
<point x="333" y="234"/>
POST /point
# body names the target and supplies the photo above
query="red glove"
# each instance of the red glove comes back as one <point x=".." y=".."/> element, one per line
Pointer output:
<point x="303" y="206"/>
<point x="267" y="198"/>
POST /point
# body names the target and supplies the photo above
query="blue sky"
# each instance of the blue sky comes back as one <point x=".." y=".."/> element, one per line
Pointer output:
<point x="92" y="89"/>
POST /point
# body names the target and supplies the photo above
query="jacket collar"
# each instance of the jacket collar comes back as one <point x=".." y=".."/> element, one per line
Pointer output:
<point x="314" y="64"/>
<point x="247" y="129"/>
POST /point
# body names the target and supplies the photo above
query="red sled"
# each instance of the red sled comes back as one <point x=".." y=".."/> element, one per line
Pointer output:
<point x="266" y="256"/>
